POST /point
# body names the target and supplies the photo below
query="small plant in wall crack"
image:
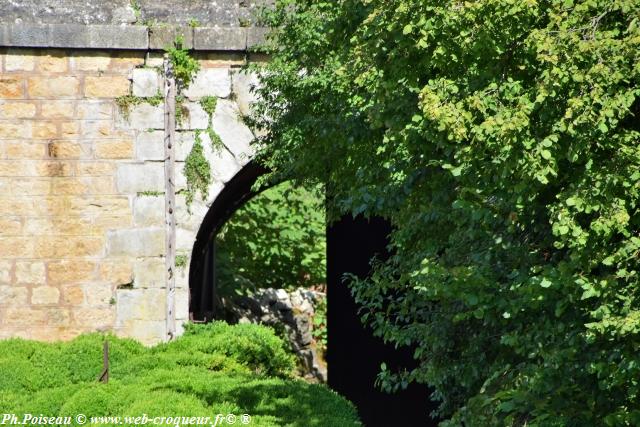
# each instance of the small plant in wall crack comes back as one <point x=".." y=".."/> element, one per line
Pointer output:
<point x="184" y="66"/>
<point x="182" y="113"/>
<point x="208" y="104"/>
<point x="151" y="193"/>
<point x="197" y="172"/>
<point x="181" y="261"/>
<point x="126" y="102"/>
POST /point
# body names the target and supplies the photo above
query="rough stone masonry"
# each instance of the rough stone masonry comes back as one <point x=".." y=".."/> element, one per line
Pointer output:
<point x="82" y="181"/>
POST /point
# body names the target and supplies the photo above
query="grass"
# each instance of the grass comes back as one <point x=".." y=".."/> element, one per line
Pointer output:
<point x="213" y="368"/>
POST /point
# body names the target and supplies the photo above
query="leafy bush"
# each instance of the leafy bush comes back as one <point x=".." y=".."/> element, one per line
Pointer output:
<point x="277" y="239"/>
<point x="195" y="375"/>
<point x="501" y="140"/>
<point x="254" y="347"/>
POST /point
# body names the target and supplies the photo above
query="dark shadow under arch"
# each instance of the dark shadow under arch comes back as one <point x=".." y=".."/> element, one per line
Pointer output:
<point x="354" y="354"/>
<point x="235" y="193"/>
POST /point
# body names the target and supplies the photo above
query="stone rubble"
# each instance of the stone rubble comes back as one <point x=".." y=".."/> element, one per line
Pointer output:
<point x="291" y="312"/>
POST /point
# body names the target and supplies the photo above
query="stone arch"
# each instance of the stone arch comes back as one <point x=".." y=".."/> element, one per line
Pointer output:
<point x="140" y="308"/>
<point x="236" y="192"/>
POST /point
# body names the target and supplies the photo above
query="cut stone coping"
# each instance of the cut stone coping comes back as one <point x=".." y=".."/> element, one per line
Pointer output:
<point x="129" y="37"/>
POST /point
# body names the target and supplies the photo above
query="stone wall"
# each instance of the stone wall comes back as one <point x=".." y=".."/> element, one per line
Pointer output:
<point x="81" y="187"/>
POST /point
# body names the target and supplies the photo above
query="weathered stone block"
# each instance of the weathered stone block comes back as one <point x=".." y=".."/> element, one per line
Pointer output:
<point x="16" y="168"/>
<point x="45" y="295"/>
<point x="164" y="37"/>
<point x="24" y="150"/>
<point x="154" y="59"/>
<point x="17" y="110"/>
<point x="52" y="62"/>
<point x="256" y="36"/>
<point x="58" y="109"/>
<point x="69" y="129"/>
<point x="116" y="272"/>
<point x="150" y="146"/>
<point x="68" y="246"/>
<point x="139" y="177"/>
<point x="71" y="186"/>
<point x="58" y="316"/>
<point x="53" y="87"/>
<point x="30" y="273"/>
<point x="185" y="144"/>
<point x="67" y="272"/>
<point x="97" y="128"/>
<point x="10" y="226"/>
<point x="141" y="304"/>
<point x="191" y="219"/>
<point x="136" y="242"/>
<point x="19" y="60"/>
<point x="230" y="38"/>
<point x="15" y="247"/>
<point x="210" y="82"/>
<point x="13" y="130"/>
<point x="94" y="168"/>
<point x="185" y="239"/>
<point x="235" y="135"/>
<point x="73" y="295"/>
<point x="11" y="87"/>
<point x="150" y="273"/>
<point x="148" y="211"/>
<point x="94" y="110"/>
<point x="30" y="186"/>
<point x="114" y="149"/>
<point x="67" y="150"/>
<point x="142" y="117"/>
<point x="148" y="332"/>
<point x="99" y="294"/>
<point x="44" y="130"/>
<point x="223" y="165"/>
<point x="182" y="304"/>
<point x="20" y="316"/>
<point x="94" y="319"/>
<point x="106" y="86"/>
<point x="125" y="61"/>
<point x="196" y="117"/>
<point x="146" y="82"/>
<point x="13" y="296"/>
<point x="5" y="272"/>
<point x="91" y="61"/>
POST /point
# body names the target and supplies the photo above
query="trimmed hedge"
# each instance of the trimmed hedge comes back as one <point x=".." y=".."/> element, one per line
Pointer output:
<point x="212" y="369"/>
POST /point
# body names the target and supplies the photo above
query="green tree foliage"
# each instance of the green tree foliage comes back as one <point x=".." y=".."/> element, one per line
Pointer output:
<point x="277" y="239"/>
<point x="501" y="138"/>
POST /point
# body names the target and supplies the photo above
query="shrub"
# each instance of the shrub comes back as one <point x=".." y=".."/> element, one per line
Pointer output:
<point x="210" y="370"/>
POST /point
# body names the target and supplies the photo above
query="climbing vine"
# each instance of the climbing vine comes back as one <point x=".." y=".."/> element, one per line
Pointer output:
<point x="197" y="171"/>
<point x="208" y="104"/>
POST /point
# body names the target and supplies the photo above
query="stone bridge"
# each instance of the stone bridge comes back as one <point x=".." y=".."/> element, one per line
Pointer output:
<point x="83" y="225"/>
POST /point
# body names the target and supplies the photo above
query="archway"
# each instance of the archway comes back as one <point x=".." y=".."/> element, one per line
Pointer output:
<point x="354" y="355"/>
<point x="201" y="272"/>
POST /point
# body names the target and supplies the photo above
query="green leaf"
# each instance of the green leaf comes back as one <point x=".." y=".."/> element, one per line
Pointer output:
<point x="407" y="29"/>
